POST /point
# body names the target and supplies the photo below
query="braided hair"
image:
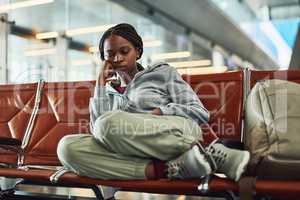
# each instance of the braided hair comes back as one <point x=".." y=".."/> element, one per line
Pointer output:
<point x="127" y="32"/>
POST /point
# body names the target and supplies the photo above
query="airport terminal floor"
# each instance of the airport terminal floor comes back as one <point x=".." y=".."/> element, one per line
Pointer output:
<point x="41" y="194"/>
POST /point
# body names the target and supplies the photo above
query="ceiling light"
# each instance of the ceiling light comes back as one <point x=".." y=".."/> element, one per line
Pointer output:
<point x="46" y="35"/>
<point x="152" y="43"/>
<point x="202" y="70"/>
<point x="93" y="49"/>
<point x="180" y="54"/>
<point x="12" y="6"/>
<point x="94" y="29"/>
<point x="40" y="52"/>
<point x="147" y="43"/>
<point x="193" y="63"/>
<point x="81" y="62"/>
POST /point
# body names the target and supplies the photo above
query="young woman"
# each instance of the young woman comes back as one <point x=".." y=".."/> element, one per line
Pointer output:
<point x="145" y="126"/>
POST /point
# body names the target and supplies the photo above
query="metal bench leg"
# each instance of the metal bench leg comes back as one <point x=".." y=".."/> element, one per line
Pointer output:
<point x="98" y="192"/>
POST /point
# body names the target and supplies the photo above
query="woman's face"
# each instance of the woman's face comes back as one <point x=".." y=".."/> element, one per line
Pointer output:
<point x="121" y="54"/>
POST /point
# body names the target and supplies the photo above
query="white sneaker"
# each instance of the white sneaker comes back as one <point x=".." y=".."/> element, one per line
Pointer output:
<point x="231" y="162"/>
<point x="191" y="164"/>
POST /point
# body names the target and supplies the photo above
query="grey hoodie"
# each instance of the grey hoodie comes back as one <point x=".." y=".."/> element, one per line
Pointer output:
<point x="158" y="86"/>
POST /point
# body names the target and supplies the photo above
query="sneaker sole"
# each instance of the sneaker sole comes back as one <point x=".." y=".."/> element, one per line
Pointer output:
<point x="242" y="165"/>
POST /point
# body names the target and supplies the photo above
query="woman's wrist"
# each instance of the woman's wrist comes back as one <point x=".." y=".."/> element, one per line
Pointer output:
<point x="101" y="82"/>
<point x="157" y="111"/>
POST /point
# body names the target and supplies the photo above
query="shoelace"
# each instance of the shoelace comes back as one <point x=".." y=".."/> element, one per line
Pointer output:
<point x="218" y="155"/>
<point x="207" y="156"/>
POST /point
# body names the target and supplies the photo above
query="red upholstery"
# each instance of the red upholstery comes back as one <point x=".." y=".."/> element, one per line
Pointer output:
<point x="222" y="95"/>
<point x="285" y="189"/>
<point x="16" y="103"/>
<point x="291" y="75"/>
<point x="63" y="111"/>
<point x="163" y="186"/>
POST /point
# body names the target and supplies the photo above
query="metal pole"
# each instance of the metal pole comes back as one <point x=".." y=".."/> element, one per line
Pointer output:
<point x="4" y="29"/>
<point x="61" y="60"/>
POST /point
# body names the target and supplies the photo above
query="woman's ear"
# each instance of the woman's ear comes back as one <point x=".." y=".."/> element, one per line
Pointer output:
<point x="138" y="55"/>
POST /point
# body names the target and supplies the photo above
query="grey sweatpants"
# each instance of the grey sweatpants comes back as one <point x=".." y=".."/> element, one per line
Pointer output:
<point x="124" y="143"/>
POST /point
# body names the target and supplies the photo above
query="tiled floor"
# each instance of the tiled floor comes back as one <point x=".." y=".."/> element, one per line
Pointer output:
<point x="144" y="196"/>
<point x="87" y="194"/>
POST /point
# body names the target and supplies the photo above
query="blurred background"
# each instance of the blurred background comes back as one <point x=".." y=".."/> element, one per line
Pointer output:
<point x="57" y="40"/>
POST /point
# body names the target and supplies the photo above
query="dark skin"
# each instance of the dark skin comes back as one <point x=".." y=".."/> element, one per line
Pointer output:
<point x="120" y="57"/>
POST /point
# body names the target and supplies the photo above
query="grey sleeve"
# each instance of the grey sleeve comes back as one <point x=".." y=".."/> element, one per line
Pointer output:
<point x="185" y="102"/>
<point x="99" y="104"/>
<point x="102" y="102"/>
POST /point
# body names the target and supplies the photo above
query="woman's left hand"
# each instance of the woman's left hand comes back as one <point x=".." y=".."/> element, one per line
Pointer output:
<point x="156" y="111"/>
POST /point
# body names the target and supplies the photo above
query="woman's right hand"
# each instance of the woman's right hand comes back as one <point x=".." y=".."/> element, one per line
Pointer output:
<point x="105" y="73"/>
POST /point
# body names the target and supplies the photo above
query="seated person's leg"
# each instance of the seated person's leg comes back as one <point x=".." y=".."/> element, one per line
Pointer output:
<point x="146" y="135"/>
<point x="123" y="146"/>
<point x="86" y="156"/>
